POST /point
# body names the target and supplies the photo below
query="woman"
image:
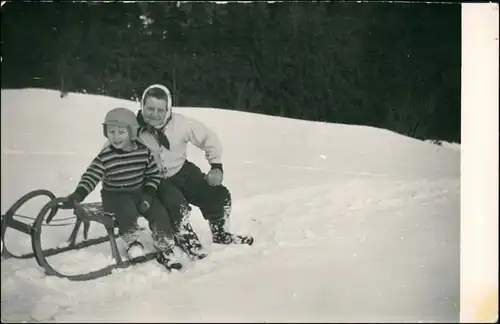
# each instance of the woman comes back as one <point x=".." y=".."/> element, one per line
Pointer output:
<point x="167" y="135"/>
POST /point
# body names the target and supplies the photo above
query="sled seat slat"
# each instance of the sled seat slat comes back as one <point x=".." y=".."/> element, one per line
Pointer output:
<point x="95" y="212"/>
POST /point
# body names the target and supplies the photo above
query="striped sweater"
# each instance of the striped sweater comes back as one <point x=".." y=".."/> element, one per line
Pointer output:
<point x="121" y="171"/>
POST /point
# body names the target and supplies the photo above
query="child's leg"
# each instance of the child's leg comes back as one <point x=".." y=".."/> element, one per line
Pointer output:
<point x="160" y="226"/>
<point x="162" y="233"/>
<point x="179" y="211"/>
<point x="123" y="206"/>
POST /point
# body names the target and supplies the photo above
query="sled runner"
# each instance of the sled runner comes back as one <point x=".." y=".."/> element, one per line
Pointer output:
<point x="85" y="213"/>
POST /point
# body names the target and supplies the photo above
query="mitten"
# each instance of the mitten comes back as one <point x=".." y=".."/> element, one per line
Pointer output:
<point x="70" y="201"/>
<point x="214" y="177"/>
<point x="147" y="200"/>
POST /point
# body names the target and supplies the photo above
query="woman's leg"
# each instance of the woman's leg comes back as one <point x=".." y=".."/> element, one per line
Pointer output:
<point x="179" y="211"/>
<point x="214" y="202"/>
<point x="162" y="234"/>
<point x="174" y="202"/>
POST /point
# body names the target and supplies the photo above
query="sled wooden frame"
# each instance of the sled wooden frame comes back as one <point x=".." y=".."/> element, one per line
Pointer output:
<point x="85" y="213"/>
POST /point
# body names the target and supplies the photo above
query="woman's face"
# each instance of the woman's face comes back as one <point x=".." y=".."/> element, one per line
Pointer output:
<point x="154" y="111"/>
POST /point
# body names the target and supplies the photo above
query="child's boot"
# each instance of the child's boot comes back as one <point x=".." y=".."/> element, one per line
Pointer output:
<point x="135" y="250"/>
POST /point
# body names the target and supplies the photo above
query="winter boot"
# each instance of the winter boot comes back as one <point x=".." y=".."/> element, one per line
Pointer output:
<point x="189" y="242"/>
<point x="221" y="236"/>
<point x="135" y="250"/>
<point x="168" y="260"/>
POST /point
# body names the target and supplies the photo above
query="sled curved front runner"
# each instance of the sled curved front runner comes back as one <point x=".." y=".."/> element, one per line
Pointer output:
<point x="9" y="221"/>
<point x="85" y="213"/>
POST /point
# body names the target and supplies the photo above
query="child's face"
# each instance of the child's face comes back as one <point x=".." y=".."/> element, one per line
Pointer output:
<point x="118" y="136"/>
<point x="154" y="111"/>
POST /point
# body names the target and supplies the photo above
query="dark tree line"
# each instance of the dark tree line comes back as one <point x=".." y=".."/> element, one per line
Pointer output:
<point x="389" y="65"/>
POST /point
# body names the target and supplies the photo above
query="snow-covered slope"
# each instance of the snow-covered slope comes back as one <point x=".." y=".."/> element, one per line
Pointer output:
<point x="352" y="223"/>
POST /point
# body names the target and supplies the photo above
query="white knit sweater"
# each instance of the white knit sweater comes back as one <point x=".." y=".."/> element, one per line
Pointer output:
<point x="180" y="131"/>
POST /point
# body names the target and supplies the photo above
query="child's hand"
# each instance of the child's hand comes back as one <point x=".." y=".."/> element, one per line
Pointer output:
<point x="146" y="202"/>
<point x="70" y="201"/>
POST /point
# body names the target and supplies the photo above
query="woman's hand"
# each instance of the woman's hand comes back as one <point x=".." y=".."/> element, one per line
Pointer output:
<point x="214" y="177"/>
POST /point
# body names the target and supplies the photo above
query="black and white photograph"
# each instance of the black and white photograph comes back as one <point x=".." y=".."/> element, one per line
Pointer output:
<point x="246" y="161"/>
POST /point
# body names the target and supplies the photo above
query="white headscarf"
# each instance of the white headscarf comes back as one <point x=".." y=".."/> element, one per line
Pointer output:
<point x="169" y="101"/>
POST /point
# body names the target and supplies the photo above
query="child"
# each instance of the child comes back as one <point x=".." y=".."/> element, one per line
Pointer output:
<point x="130" y="179"/>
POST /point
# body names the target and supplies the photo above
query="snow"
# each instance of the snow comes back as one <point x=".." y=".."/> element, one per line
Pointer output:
<point x="352" y="223"/>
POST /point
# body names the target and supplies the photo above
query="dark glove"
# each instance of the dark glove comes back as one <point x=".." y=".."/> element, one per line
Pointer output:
<point x="215" y="176"/>
<point x="147" y="200"/>
<point x="70" y="201"/>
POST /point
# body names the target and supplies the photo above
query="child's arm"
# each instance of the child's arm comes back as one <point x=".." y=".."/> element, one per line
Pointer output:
<point x="152" y="176"/>
<point x="151" y="183"/>
<point x="89" y="180"/>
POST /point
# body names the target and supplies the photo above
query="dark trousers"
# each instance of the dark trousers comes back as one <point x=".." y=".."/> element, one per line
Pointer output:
<point x="124" y="206"/>
<point x="188" y="186"/>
